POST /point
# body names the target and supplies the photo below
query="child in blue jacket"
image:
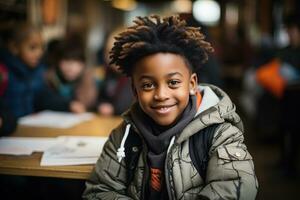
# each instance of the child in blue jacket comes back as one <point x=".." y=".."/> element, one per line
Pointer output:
<point x="20" y="60"/>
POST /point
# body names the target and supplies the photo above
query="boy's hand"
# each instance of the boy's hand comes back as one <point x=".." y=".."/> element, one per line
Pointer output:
<point x="77" y="107"/>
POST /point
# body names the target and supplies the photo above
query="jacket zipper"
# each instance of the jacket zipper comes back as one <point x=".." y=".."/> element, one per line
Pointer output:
<point x="146" y="172"/>
<point x="144" y="152"/>
<point x="167" y="171"/>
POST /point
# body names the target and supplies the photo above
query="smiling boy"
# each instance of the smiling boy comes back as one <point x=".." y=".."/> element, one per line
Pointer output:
<point x="162" y="83"/>
<point x="169" y="122"/>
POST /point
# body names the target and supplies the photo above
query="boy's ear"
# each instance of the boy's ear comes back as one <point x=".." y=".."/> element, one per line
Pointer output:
<point x="193" y="82"/>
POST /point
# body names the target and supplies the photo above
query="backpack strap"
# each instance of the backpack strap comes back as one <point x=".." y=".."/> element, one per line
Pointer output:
<point x="133" y="148"/>
<point x="199" y="145"/>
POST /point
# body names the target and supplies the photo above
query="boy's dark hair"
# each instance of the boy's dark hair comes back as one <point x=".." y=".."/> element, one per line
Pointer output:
<point x="152" y="35"/>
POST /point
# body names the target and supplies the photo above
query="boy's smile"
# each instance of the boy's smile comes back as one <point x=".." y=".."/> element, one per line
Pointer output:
<point x="162" y="83"/>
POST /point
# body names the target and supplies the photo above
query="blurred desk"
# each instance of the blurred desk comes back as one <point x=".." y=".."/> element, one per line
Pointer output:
<point x="30" y="165"/>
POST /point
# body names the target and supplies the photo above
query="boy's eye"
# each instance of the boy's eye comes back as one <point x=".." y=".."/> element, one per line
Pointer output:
<point x="147" y="86"/>
<point x="173" y="83"/>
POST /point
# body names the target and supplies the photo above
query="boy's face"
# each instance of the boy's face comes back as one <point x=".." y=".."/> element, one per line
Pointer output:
<point x="31" y="49"/>
<point x="162" y="83"/>
<point x="71" y="69"/>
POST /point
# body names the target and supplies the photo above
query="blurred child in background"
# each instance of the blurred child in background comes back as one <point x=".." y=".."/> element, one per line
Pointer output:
<point x="116" y="95"/>
<point x="21" y="80"/>
<point x="20" y="61"/>
<point x="71" y="86"/>
<point x="289" y="101"/>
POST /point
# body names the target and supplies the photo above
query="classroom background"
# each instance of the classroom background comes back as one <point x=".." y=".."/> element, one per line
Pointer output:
<point x="249" y="37"/>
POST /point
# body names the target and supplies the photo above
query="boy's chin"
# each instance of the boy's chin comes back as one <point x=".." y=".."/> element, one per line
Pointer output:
<point x="165" y="122"/>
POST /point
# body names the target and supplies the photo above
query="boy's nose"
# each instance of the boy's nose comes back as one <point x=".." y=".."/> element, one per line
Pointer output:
<point x="161" y="94"/>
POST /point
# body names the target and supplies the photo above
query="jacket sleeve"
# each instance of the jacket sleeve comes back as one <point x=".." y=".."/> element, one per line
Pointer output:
<point x="230" y="171"/>
<point x="108" y="178"/>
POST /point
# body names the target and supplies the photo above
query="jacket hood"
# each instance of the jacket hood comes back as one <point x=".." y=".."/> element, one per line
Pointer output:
<point x="215" y="108"/>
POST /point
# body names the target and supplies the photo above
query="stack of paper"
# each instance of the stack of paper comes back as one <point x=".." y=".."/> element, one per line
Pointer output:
<point x="25" y="145"/>
<point x="74" y="150"/>
<point x="63" y="150"/>
<point x="54" y="119"/>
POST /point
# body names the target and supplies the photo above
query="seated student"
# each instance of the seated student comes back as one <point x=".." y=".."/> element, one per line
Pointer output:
<point x="154" y="153"/>
<point x="289" y="101"/>
<point x="20" y="60"/>
<point x="71" y="86"/>
<point x="25" y="90"/>
<point x="115" y="94"/>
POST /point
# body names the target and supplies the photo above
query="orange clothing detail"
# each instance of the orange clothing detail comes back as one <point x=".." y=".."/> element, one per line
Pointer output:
<point x="268" y="76"/>
<point x="199" y="98"/>
<point x="156" y="179"/>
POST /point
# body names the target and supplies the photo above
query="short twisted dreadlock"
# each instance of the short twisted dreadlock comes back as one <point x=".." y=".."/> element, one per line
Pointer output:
<point x="152" y="35"/>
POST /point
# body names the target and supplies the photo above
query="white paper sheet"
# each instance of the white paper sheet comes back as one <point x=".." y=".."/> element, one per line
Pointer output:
<point x="54" y="119"/>
<point x="74" y="150"/>
<point x="24" y="145"/>
<point x="67" y="161"/>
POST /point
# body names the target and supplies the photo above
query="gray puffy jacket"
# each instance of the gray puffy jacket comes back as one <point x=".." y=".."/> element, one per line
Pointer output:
<point x="230" y="171"/>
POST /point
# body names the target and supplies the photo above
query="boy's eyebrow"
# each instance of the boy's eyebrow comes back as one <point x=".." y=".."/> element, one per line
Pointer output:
<point x="145" y="77"/>
<point x="173" y="74"/>
<point x="168" y="75"/>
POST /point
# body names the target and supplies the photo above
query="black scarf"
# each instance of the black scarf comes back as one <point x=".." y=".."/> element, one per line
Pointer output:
<point x="158" y="138"/>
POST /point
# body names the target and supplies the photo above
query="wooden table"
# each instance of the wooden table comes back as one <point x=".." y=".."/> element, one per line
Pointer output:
<point x="30" y="165"/>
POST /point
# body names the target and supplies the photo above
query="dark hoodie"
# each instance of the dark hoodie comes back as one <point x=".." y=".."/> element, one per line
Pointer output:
<point x="158" y="138"/>
<point x="23" y="86"/>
